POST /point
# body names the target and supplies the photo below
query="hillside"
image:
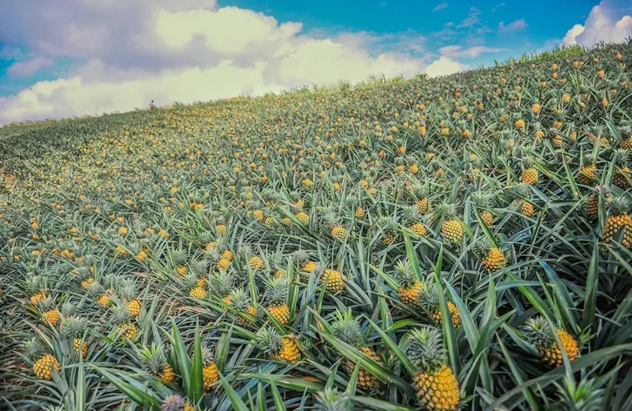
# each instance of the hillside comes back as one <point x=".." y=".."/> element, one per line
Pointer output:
<point x="435" y="243"/>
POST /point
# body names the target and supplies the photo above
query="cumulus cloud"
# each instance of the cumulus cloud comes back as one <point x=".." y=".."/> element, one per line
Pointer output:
<point x="444" y="66"/>
<point x="457" y="51"/>
<point x="605" y="22"/>
<point x="440" y="6"/>
<point x="28" y="67"/>
<point x="184" y="50"/>
<point x="513" y="26"/>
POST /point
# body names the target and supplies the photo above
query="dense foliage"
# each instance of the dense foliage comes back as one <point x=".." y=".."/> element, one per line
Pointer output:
<point x="423" y="244"/>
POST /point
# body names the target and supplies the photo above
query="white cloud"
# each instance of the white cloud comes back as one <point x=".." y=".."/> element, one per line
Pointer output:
<point x="440" y="6"/>
<point x="472" y="19"/>
<point x="444" y="66"/>
<point x="185" y="50"/>
<point x="456" y="51"/>
<point x="28" y="67"/>
<point x="604" y="23"/>
<point x="513" y="26"/>
<point x="496" y="7"/>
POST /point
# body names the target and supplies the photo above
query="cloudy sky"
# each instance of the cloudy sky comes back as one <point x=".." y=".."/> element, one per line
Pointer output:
<point x="84" y="57"/>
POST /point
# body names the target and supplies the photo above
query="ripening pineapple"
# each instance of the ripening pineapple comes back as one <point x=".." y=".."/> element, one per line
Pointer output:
<point x="333" y="222"/>
<point x="592" y="203"/>
<point x="154" y="362"/>
<point x="587" y="173"/>
<point x="125" y="328"/>
<point x="412" y="218"/>
<point x="74" y="327"/>
<point x="422" y="203"/>
<point x="529" y="174"/>
<point x="276" y="299"/>
<point x="278" y="347"/>
<point x="522" y="193"/>
<point x="221" y="284"/>
<point x="49" y="311"/>
<point x="179" y="258"/>
<point x="240" y="301"/>
<point x="621" y="172"/>
<point x="210" y="372"/>
<point x="409" y="284"/>
<point x="134" y="305"/>
<point x="483" y="201"/>
<point x="256" y="263"/>
<point x="347" y="330"/>
<point x="626" y="138"/>
<point x="430" y="303"/>
<point x="359" y="212"/>
<point x="492" y="258"/>
<point x="332" y="280"/>
<point x="618" y="219"/>
<point x="303" y="217"/>
<point x="540" y="334"/>
<point x="451" y="229"/>
<point x="43" y="363"/>
<point x="435" y="383"/>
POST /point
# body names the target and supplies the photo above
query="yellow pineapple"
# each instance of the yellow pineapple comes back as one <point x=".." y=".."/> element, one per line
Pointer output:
<point x="256" y="263"/>
<point x="622" y="174"/>
<point x="210" y="372"/>
<point x="276" y="299"/>
<point x="435" y="383"/>
<point x="359" y="212"/>
<point x="278" y="347"/>
<point x="44" y="366"/>
<point x="492" y="258"/>
<point x="451" y="229"/>
<point x="333" y="280"/>
<point x="133" y="303"/>
<point x="409" y="285"/>
<point x="49" y="311"/>
<point x="592" y="203"/>
<point x="125" y="328"/>
<point x="430" y="304"/>
<point x="588" y="173"/>
<point x="347" y="329"/>
<point x="618" y="220"/>
<point x="74" y="327"/>
<point x="529" y="174"/>
<point x="541" y="335"/>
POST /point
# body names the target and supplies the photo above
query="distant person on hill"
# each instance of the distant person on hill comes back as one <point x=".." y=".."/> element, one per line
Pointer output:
<point x="151" y="105"/>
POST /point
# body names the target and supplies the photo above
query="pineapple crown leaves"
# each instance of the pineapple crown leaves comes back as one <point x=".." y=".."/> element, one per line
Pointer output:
<point x="152" y="357"/>
<point x="190" y="280"/>
<point x="447" y="210"/>
<point x="301" y="255"/>
<point x="276" y="290"/>
<point x="269" y="340"/>
<point x="46" y="303"/>
<point x="539" y="332"/>
<point x="429" y="297"/>
<point x="619" y="205"/>
<point x="222" y="283"/>
<point x="331" y="399"/>
<point x="621" y="156"/>
<point x="200" y="267"/>
<point x="425" y="349"/>
<point x="178" y="257"/>
<point x="75" y="325"/>
<point x="482" y="247"/>
<point x="481" y="200"/>
<point x="33" y="348"/>
<point x="128" y="290"/>
<point x="68" y="309"/>
<point x="95" y="288"/>
<point x="412" y="214"/>
<point x="33" y="283"/>
<point x="120" y="315"/>
<point x="240" y="300"/>
<point x="405" y="274"/>
<point x="522" y="190"/>
<point x="347" y="329"/>
<point x="173" y="403"/>
<point x="208" y="355"/>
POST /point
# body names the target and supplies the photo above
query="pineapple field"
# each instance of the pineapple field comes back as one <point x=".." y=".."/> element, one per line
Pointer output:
<point x="463" y="242"/>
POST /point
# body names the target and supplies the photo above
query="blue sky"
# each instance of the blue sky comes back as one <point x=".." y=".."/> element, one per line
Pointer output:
<point x="76" y="58"/>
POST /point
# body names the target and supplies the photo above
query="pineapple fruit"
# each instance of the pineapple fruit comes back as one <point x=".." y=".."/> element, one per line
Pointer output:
<point x="279" y="347"/>
<point x="276" y="299"/>
<point x="618" y="220"/>
<point x="409" y="285"/>
<point x="435" y="383"/>
<point x="540" y="334"/>
<point x="154" y="362"/>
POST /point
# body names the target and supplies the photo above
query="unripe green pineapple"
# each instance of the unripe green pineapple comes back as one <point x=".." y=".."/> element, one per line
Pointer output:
<point x="435" y="383"/>
<point x="347" y="329"/>
<point x="540" y="334"/>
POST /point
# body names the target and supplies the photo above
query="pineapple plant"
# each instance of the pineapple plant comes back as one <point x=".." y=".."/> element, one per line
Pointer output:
<point x="409" y="285"/>
<point x="43" y="363"/>
<point x="74" y="327"/>
<point x="618" y="220"/>
<point x="240" y="301"/>
<point x="276" y="299"/>
<point x="422" y="203"/>
<point x="130" y="298"/>
<point x="334" y="225"/>
<point x="221" y="284"/>
<point x="278" y="347"/>
<point x="435" y="383"/>
<point x="483" y="202"/>
<point x="529" y="174"/>
<point x="331" y="400"/>
<point x="522" y="196"/>
<point x="125" y="328"/>
<point x="210" y="373"/>
<point x="430" y="304"/>
<point x="179" y="258"/>
<point x="153" y="360"/>
<point x="540" y="333"/>
<point x="491" y="257"/>
<point x="347" y="330"/>
<point x="333" y="280"/>
<point x="412" y="218"/>
<point x="592" y="202"/>
<point x="587" y="174"/>
<point x="196" y="287"/>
